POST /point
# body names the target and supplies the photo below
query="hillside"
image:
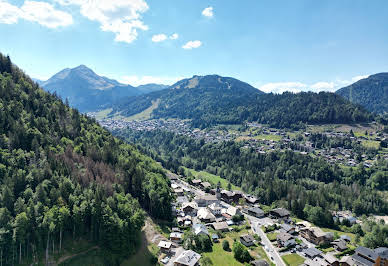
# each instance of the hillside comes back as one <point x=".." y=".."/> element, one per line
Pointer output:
<point x="371" y="93"/>
<point x="87" y="91"/>
<point x="62" y="175"/>
<point x="210" y="100"/>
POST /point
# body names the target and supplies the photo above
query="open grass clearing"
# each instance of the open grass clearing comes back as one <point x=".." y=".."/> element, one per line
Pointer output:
<point x="292" y="259"/>
<point x="212" y="179"/>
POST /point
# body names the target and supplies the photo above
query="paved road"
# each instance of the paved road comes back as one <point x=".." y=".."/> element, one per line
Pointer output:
<point x="272" y="253"/>
<point x="255" y="222"/>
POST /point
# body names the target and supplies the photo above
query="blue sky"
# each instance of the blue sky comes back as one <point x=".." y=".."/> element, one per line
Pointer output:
<point x="273" y="45"/>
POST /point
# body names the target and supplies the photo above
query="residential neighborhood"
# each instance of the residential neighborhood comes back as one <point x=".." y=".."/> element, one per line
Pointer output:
<point x="272" y="236"/>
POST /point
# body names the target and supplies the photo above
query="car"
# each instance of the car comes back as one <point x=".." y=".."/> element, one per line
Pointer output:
<point x="165" y="260"/>
<point x="271" y="258"/>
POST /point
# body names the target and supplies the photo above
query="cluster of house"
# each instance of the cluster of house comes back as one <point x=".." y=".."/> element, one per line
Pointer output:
<point x="362" y="257"/>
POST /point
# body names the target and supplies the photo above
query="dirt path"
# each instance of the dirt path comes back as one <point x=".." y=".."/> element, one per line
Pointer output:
<point x="62" y="259"/>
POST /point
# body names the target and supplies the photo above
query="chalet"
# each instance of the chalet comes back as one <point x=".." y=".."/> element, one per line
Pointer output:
<point x="215" y="208"/>
<point x="366" y="256"/>
<point x="165" y="246"/>
<point x="251" y="199"/>
<point x="205" y="200"/>
<point x="339" y="244"/>
<point x="285" y="240"/>
<point x="196" y="182"/>
<point x="227" y="195"/>
<point x="383" y="253"/>
<point x="280" y="213"/>
<point x="247" y="240"/>
<point x="331" y="260"/>
<point x="206" y="216"/>
<point x="237" y="195"/>
<point x="176" y="237"/>
<point x="215" y="238"/>
<point x="316" y="235"/>
<point x="232" y="211"/>
<point x="190" y="208"/>
<point x="184" y="221"/>
<point x="205" y="185"/>
<point x="287" y="228"/>
<point x="221" y="226"/>
<point x="346" y="238"/>
<point x="312" y="253"/>
<point x="172" y="176"/>
<point x="255" y="211"/>
<point x="187" y="258"/>
<point x="178" y="191"/>
<point x="200" y="229"/>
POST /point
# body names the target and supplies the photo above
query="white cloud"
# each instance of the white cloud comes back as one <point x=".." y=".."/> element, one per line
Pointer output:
<point x="174" y="36"/>
<point x="122" y="17"/>
<point x="280" y="87"/>
<point x="9" y="14"/>
<point x="208" y="12"/>
<point x="323" y="86"/>
<point x="332" y="86"/>
<point x="191" y="45"/>
<point x="159" y="38"/>
<point x="141" y="80"/>
<point x="41" y="12"/>
<point x="357" y="78"/>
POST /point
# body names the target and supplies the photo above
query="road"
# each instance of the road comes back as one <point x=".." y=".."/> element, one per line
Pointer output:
<point x="255" y="222"/>
<point x="272" y="253"/>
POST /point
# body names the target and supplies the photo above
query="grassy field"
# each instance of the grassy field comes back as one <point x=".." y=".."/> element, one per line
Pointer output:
<point x="293" y="259"/>
<point x="222" y="257"/>
<point x="143" y="255"/>
<point x="103" y="114"/>
<point x="146" y="114"/>
<point x="352" y="236"/>
<point x="269" y="137"/>
<point x="212" y="179"/>
<point x="272" y="236"/>
<point x="371" y="144"/>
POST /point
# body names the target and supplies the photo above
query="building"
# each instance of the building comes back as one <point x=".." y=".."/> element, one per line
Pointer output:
<point x="205" y="185"/>
<point x="215" y="238"/>
<point x="339" y="244"/>
<point x="190" y="208"/>
<point x="247" y="240"/>
<point x="280" y="213"/>
<point x="285" y="240"/>
<point x="176" y="237"/>
<point x="316" y="235"/>
<point x="331" y="260"/>
<point x="187" y="258"/>
<point x="251" y="199"/>
<point x="227" y="195"/>
<point x="383" y="253"/>
<point x="255" y="211"/>
<point x="312" y="253"/>
<point x="221" y="226"/>
<point x="206" y="216"/>
<point x="205" y="200"/>
<point x="215" y="208"/>
<point x="287" y="228"/>
<point x="232" y="211"/>
<point x="178" y="191"/>
<point x="196" y="182"/>
<point x="165" y="246"/>
<point x="200" y="229"/>
<point x="366" y="256"/>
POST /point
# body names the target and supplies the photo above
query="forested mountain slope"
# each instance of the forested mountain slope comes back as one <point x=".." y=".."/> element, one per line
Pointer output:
<point x="292" y="179"/>
<point x="61" y="174"/>
<point x="211" y="100"/>
<point x="371" y="92"/>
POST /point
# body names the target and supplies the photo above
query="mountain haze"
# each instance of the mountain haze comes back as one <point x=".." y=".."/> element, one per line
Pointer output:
<point x="87" y="91"/>
<point x="371" y="92"/>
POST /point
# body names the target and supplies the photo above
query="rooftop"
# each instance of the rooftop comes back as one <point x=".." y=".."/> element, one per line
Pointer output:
<point x="188" y="258"/>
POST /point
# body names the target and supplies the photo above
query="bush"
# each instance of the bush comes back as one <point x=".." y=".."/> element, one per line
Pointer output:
<point x="241" y="253"/>
<point x="225" y="245"/>
<point x="257" y="238"/>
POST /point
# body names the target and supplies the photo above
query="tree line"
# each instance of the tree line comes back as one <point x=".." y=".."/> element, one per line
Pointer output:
<point x="63" y="176"/>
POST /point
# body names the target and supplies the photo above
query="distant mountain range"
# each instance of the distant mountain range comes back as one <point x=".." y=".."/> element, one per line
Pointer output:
<point x="210" y="100"/>
<point x="371" y="92"/>
<point x="87" y="91"/>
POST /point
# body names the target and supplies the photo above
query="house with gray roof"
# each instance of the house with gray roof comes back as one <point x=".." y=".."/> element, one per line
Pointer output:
<point x="187" y="258"/>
